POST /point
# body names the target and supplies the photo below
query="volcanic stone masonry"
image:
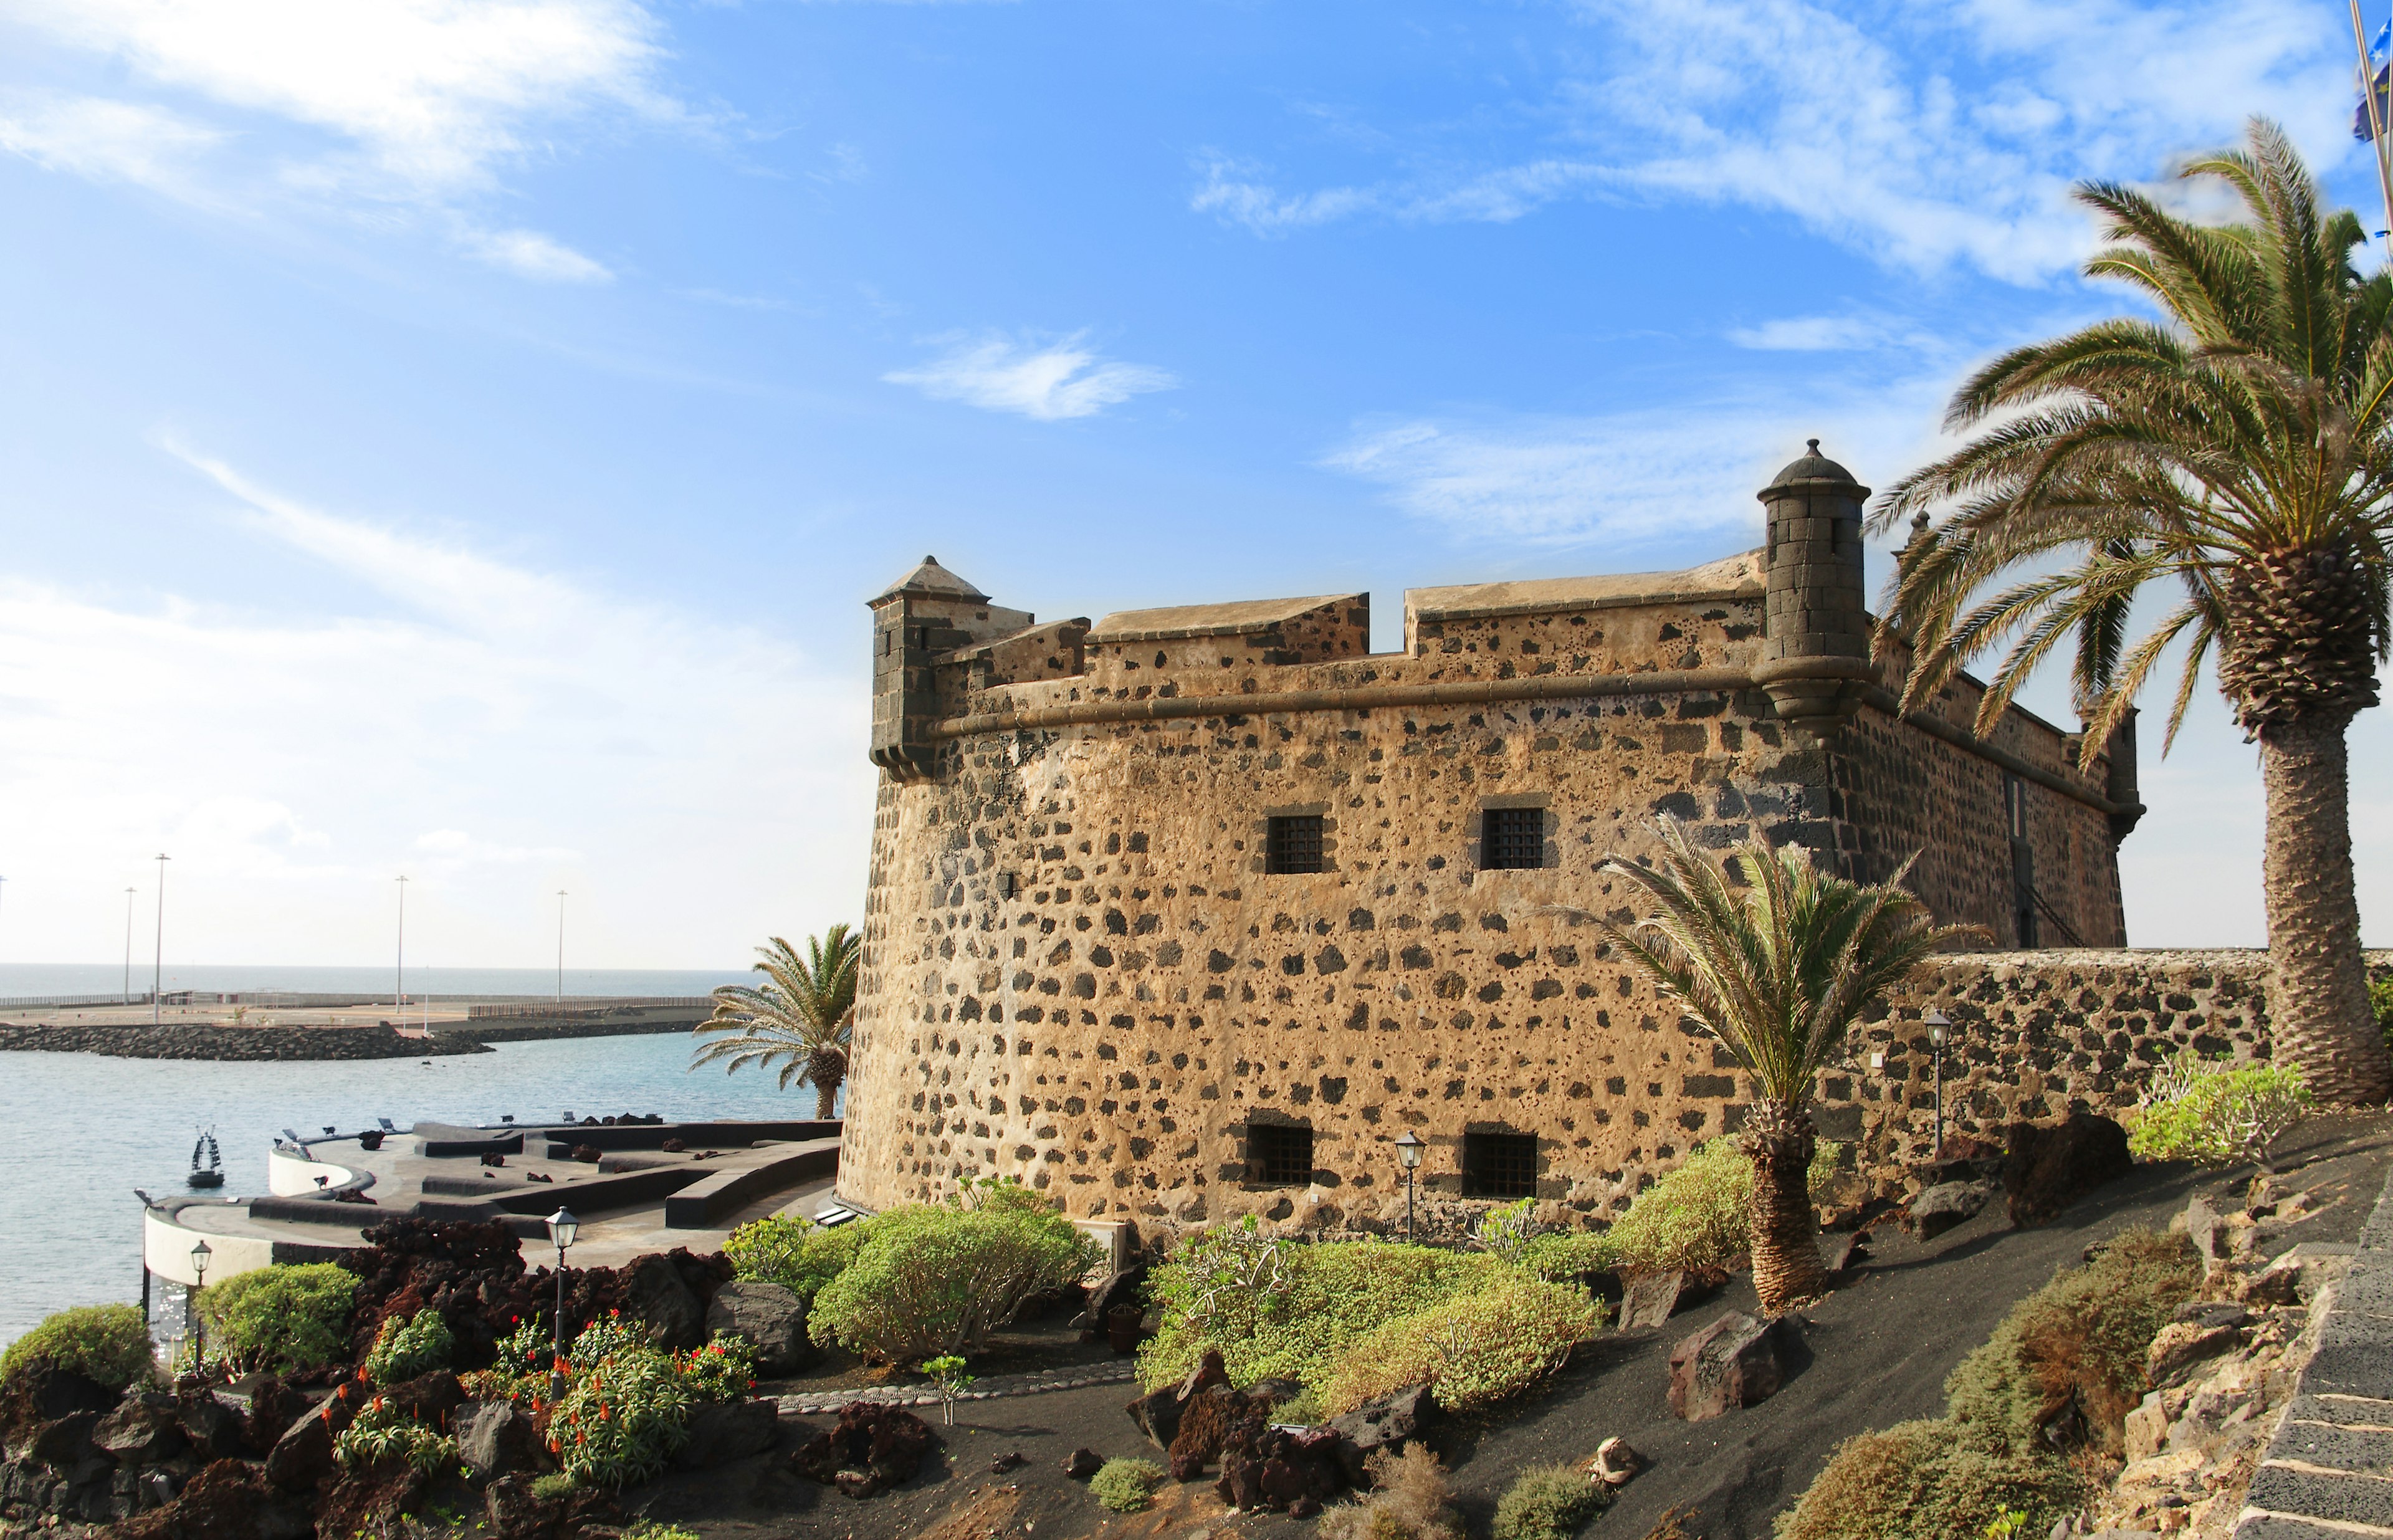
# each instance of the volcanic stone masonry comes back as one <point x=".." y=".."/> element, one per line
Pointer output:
<point x="1188" y="913"/>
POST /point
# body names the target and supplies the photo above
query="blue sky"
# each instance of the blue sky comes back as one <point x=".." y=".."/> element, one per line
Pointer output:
<point x="458" y="438"/>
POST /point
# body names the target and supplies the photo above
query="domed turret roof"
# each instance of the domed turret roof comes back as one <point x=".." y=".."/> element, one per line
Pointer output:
<point x="1811" y="469"/>
<point x="931" y="578"/>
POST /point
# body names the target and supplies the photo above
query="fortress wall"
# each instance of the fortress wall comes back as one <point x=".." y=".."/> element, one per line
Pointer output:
<point x="1107" y="1032"/>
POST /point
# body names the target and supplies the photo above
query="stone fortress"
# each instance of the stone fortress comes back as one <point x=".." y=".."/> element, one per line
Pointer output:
<point x="1189" y="913"/>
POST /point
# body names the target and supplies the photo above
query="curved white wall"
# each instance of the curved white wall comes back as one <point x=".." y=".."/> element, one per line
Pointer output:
<point x="166" y="1251"/>
<point x="291" y="1176"/>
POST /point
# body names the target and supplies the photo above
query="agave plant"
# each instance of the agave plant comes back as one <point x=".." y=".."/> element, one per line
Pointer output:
<point x="800" y="1018"/>
<point x="1776" y="968"/>
<point x="2238" y="451"/>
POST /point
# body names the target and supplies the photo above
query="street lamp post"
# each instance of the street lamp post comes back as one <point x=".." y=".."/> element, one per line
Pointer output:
<point x="1938" y="1024"/>
<point x="399" y="970"/>
<point x="562" y="1227"/>
<point x="128" y="945"/>
<point x="560" y="945"/>
<point x="1408" y="1150"/>
<point x="201" y="1257"/>
<point x="158" y="953"/>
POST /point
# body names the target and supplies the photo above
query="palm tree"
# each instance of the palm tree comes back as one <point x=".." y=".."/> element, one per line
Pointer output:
<point x="800" y="1018"/>
<point x="2239" y="451"/>
<point x="1775" y="962"/>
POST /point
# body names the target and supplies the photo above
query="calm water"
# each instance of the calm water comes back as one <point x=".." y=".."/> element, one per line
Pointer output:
<point x="19" y="980"/>
<point x="78" y="1133"/>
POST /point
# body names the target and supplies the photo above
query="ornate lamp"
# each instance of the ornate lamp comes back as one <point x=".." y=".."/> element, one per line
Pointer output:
<point x="1408" y="1150"/>
<point x="562" y="1228"/>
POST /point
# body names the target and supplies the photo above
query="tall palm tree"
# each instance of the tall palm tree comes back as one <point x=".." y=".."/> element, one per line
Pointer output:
<point x="800" y="1018"/>
<point x="2238" y="451"/>
<point x="1775" y="962"/>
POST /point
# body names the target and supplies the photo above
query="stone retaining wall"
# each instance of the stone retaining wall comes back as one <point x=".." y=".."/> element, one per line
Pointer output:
<point x="197" y="1040"/>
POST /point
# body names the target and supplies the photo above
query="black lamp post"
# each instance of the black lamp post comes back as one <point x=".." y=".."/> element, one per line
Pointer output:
<point x="201" y="1255"/>
<point x="562" y="1228"/>
<point x="1408" y="1150"/>
<point x="1938" y="1024"/>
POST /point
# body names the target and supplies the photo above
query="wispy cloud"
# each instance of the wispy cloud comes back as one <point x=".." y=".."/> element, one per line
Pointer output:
<point x="495" y="729"/>
<point x="368" y="108"/>
<point x="1830" y="334"/>
<point x="1922" y="139"/>
<point x="1047" y="382"/>
<point x="1632" y="478"/>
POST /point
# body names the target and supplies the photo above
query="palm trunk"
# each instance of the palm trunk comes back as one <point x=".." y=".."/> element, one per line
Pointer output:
<point x="826" y="1099"/>
<point x="2319" y="1005"/>
<point x="1779" y="1140"/>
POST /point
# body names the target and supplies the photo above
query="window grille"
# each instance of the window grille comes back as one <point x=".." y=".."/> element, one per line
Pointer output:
<point x="1278" y="1156"/>
<point x="1293" y="844"/>
<point x="1499" y="1164"/>
<point x="1512" y="839"/>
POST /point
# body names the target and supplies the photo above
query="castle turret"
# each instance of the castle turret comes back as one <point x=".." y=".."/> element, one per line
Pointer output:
<point x="927" y="612"/>
<point x="1815" y="625"/>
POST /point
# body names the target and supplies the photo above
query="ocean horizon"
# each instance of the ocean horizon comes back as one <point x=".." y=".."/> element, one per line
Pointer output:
<point x="34" y="980"/>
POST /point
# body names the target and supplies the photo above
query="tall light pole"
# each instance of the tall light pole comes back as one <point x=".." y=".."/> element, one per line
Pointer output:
<point x="560" y="945"/>
<point x="398" y="973"/>
<point x="1408" y="1150"/>
<point x="1938" y="1023"/>
<point x="562" y="1228"/>
<point x="128" y="945"/>
<point x="158" y="953"/>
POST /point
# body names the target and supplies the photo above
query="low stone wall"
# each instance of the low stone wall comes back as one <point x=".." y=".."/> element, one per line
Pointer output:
<point x="199" y="1041"/>
<point x="2037" y="1036"/>
<point x="535" y="1030"/>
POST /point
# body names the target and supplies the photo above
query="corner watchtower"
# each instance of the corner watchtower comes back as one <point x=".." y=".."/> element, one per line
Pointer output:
<point x="928" y="612"/>
<point x="1815" y="624"/>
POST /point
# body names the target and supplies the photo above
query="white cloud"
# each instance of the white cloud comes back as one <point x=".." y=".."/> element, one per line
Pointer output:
<point x="369" y="108"/>
<point x="104" y="139"/>
<point x="1647" y="477"/>
<point x="1058" y="380"/>
<point x="497" y="732"/>
<point x="1921" y="139"/>
<point x="1829" y="334"/>
<point x="532" y="255"/>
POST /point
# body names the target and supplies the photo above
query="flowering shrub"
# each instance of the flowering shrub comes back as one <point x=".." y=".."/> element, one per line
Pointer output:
<point x="2198" y="1109"/>
<point x="1292" y="1321"/>
<point x="403" y="1351"/>
<point x="934" y="1279"/>
<point x="1473" y="1350"/>
<point x="796" y="1253"/>
<point x="627" y="1405"/>
<point x="281" y="1318"/>
<point x="383" y="1432"/>
<point x="519" y="1366"/>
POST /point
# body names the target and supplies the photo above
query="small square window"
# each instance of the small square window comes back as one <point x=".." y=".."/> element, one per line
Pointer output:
<point x="1293" y="844"/>
<point x="1499" y="1164"/>
<point x="1512" y="838"/>
<point x="1278" y="1156"/>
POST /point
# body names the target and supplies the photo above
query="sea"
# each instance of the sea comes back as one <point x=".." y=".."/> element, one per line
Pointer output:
<point x="80" y="1131"/>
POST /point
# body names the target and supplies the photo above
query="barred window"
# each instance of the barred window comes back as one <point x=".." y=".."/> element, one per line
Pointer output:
<point x="1512" y="839"/>
<point x="1278" y="1156"/>
<point x="1499" y="1164"/>
<point x="1293" y="843"/>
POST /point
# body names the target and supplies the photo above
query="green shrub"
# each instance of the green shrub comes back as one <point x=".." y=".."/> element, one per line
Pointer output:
<point x="2085" y="1333"/>
<point x="552" y="1486"/>
<point x="1123" y="1484"/>
<point x="1502" y="1232"/>
<point x="1408" y="1500"/>
<point x="652" y="1528"/>
<point x="1929" y="1481"/>
<point x="106" y="1343"/>
<point x="795" y="1253"/>
<point x="281" y="1318"/>
<point x="1564" y="1256"/>
<point x="1547" y="1502"/>
<point x="383" y="1432"/>
<point x="1473" y="1350"/>
<point x="404" y="1349"/>
<point x="1301" y="1311"/>
<point x="2206" y="1110"/>
<point x="1694" y="1220"/>
<point x="935" y="1279"/>
<point x="2380" y="1000"/>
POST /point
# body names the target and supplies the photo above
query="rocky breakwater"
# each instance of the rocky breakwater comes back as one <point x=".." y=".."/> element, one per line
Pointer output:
<point x="206" y="1040"/>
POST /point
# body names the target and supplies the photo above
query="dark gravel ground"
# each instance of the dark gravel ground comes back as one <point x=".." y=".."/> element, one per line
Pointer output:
<point x="1881" y="1348"/>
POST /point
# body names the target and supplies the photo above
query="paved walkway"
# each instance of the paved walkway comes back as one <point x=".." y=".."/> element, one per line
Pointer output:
<point x="2328" y="1474"/>
<point x="1078" y="1376"/>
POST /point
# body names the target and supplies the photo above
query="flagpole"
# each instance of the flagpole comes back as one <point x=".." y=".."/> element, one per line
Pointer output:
<point x="2375" y="124"/>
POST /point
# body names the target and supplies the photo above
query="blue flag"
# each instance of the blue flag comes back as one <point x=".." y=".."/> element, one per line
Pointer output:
<point x="2382" y="89"/>
<point x="2382" y="45"/>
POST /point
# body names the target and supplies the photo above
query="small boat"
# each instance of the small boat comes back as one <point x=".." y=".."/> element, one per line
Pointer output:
<point x="207" y="1162"/>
